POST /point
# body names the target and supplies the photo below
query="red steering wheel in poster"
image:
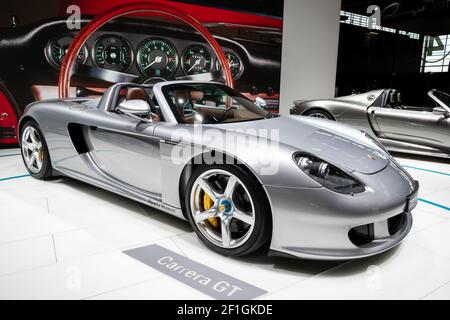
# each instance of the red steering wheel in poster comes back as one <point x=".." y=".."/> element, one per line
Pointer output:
<point x="132" y="8"/>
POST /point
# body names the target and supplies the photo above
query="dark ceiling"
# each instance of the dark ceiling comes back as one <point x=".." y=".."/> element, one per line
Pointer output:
<point x="427" y="17"/>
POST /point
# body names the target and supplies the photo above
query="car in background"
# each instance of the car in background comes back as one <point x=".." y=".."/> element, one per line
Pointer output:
<point x="421" y="130"/>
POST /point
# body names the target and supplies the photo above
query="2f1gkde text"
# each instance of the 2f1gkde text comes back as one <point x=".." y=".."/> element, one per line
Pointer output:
<point x="225" y="309"/>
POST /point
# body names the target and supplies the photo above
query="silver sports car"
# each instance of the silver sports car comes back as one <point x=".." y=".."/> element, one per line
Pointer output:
<point x="245" y="179"/>
<point x="419" y="130"/>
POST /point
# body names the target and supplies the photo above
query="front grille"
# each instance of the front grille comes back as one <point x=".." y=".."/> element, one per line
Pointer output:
<point x="7" y="132"/>
<point x="365" y="234"/>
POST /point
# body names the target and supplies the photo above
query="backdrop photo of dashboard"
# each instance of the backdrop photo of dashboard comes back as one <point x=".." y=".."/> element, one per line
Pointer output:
<point x="151" y="57"/>
<point x="149" y="50"/>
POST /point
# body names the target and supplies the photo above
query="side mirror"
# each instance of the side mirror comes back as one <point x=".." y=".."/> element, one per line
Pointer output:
<point x="260" y="102"/>
<point x="439" y="111"/>
<point x="134" y="107"/>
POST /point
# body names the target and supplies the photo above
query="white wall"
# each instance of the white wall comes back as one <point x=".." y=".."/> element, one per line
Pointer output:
<point x="309" y="50"/>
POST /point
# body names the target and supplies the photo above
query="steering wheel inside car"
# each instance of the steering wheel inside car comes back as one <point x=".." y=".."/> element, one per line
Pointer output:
<point x="97" y="22"/>
<point x="224" y="114"/>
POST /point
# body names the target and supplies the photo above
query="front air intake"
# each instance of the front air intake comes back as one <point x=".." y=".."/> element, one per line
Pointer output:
<point x="395" y="223"/>
<point x="362" y="235"/>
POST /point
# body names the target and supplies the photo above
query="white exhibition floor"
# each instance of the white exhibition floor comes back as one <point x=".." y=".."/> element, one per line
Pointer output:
<point x="63" y="239"/>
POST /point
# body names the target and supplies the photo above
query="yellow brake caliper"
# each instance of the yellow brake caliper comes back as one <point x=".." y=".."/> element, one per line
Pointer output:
<point x="41" y="154"/>
<point x="207" y="204"/>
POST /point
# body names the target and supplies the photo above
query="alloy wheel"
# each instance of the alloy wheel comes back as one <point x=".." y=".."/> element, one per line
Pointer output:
<point x="32" y="149"/>
<point x="222" y="208"/>
<point x="318" y="115"/>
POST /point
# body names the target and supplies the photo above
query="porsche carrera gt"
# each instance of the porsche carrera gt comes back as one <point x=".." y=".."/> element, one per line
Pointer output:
<point x="289" y="185"/>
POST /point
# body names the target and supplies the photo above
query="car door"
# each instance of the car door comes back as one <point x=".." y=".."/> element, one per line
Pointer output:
<point x="128" y="153"/>
<point x="417" y="127"/>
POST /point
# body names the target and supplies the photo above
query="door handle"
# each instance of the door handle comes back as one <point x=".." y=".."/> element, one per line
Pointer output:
<point x="172" y="141"/>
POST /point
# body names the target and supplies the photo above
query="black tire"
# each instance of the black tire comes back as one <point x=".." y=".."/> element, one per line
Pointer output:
<point x="319" y="113"/>
<point x="46" y="169"/>
<point x="260" y="237"/>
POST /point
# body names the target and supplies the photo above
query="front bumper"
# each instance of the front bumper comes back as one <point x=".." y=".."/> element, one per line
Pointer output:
<point x="320" y="224"/>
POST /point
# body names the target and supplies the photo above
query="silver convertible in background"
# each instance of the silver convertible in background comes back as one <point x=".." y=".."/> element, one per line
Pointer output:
<point x="335" y="194"/>
<point x="409" y="129"/>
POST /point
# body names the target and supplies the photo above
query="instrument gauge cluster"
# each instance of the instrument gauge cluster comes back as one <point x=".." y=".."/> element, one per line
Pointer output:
<point x="113" y="52"/>
<point x="157" y="58"/>
<point x="196" y="59"/>
<point x="152" y="57"/>
<point x="56" y="50"/>
<point x="235" y="64"/>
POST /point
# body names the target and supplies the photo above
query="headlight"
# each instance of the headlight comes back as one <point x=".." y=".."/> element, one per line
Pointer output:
<point x="327" y="175"/>
<point x="318" y="169"/>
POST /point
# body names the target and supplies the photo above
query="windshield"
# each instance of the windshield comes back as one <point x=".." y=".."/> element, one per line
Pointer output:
<point x="443" y="97"/>
<point x="210" y="103"/>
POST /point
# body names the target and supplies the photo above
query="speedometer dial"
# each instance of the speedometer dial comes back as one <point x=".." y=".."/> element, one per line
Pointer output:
<point x="157" y="58"/>
<point x="57" y="49"/>
<point x="112" y="52"/>
<point x="235" y="64"/>
<point x="196" y="59"/>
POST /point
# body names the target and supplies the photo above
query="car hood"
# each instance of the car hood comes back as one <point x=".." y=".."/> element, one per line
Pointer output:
<point x="363" y="99"/>
<point x="346" y="148"/>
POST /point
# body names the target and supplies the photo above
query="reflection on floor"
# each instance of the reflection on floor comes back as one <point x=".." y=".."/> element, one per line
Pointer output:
<point x="64" y="239"/>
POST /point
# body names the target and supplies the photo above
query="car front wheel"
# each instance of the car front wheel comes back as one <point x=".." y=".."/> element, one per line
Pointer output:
<point x="228" y="210"/>
<point x="34" y="151"/>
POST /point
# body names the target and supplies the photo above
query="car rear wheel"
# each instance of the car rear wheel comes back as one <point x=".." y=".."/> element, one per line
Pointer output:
<point x="34" y="151"/>
<point x="321" y="114"/>
<point x="228" y="210"/>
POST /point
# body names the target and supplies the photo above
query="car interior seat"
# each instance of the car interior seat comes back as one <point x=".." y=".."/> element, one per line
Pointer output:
<point x="136" y="94"/>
